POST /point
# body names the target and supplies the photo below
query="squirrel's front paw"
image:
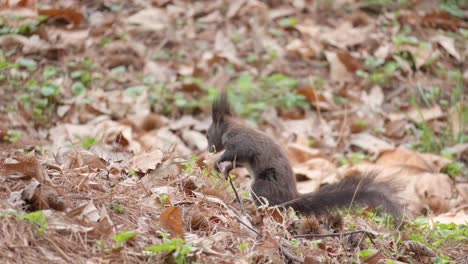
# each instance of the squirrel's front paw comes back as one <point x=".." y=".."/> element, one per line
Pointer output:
<point x="219" y="168"/>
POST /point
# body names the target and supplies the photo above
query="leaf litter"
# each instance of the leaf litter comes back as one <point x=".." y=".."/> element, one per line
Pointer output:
<point x="128" y="155"/>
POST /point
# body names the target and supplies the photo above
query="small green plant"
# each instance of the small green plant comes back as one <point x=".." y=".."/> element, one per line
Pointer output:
<point x="436" y="234"/>
<point x="289" y="22"/>
<point x="163" y="198"/>
<point x="177" y="246"/>
<point x="37" y="219"/>
<point x="379" y="71"/>
<point x="244" y="245"/>
<point x="352" y="158"/>
<point x="14" y="24"/>
<point x="190" y="164"/>
<point x="120" y="239"/>
<point x="366" y="252"/>
<point x="118" y="208"/>
<point x="453" y="7"/>
<point x="88" y="142"/>
<point x="12" y="136"/>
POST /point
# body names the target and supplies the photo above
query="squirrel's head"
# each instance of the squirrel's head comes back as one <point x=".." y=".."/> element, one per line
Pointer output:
<point x="215" y="136"/>
<point x="221" y="110"/>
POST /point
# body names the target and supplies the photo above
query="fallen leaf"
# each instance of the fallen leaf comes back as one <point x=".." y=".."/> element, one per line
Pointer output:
<point x="151" y="19"/>
<point x="402" y="157"/>
<point x="448" y="44"/>
<point x="27" y="164"/>
<point x="370" y="143"/>
<point x="90" y="212"/>
<point x="419" y="114"/>
<point x="338" y="71"/>
<point x="70" y="15"/>
<point x="171" y="221"/>
<point x="352" y="64"/>
<point x="195" y="139"/>
<point x="299" y="153"/>
<point x="146" y="161"/>
<point x="459" y="218"/>
<point x="417" y="248"/>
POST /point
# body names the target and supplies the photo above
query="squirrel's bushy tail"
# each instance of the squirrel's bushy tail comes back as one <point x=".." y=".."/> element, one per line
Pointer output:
<point x="356" y="190"/>
<point x="221" y="107"/>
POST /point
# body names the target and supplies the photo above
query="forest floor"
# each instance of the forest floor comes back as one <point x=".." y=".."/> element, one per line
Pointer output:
<point x="104" y="106"/>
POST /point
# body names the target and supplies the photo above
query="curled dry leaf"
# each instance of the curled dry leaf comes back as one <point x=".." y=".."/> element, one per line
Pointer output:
<point x="459" y="218"/>
<point x="150" y="19"/>
<point x="42" y="197"/>
<point x="402" y="157"/>
<point x="146" y="161"/>
<point x="26" y="164"/>
<point x="57" y="221"/>
<point x="345" y="35"/>
<point x="154" y="177"/>
<point x="318" y="171"/>
<point x="374" y="257"/>
<point x="370" y="143"/>
<point x="90" y="213"/>
<point x="417" y="248"/>
<point x="171" y="220"/>
<point x="448" y="44"/>
<point x="338" y="71"/>
<point x="195" y="139"/>
<point x="71" y="15"/>
<point x="298" y="153"/>
<point x="77" y="158"/>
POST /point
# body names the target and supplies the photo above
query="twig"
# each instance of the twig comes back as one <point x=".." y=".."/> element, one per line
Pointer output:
<point x="235" y="193"/>
<point x="248" y="226"/>
<point x="226" y="175"/>
<point x="369" y="234"/>
<point x="288" y="255"/>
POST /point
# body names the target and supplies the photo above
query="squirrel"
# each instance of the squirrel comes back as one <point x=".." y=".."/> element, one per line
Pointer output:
<point x="273" y="177"/>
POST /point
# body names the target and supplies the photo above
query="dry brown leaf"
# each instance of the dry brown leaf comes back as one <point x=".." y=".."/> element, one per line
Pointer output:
<point x="299" y="153"/>
<point x="64" y="38"/>
<point x="459" y="218"/>
<point x="77" y="158"/>
<point x="338" y="71"/>
<point x="171" y="221"/>
<point x="448" y="44"/>
<point x="90" y="212"/>
<point x="195" y="139"/>
<point x="345" y="35"/>
<point x="146" y="161"/>
<point x="443" y="20"/>
<point x="396" y="129"/>
<point x="318" y="171"/>
<point x="27" y="164"/>
<point x="352" y="64"/>
<point x="311" y="95"/>
<point x="373" y="258"/>
<point x="224" y="46"/>
<point x="370" y="143"/>
<point x="419" y="115"/>
<point x="153" y="178"/>
<point x="69" y="14"/>
<point x="418" y="248"/>
<point x="151" y="19"/>
<point x="60" y="223"/>
<point x="402" y="157"/>
<point x="298" y="47"/>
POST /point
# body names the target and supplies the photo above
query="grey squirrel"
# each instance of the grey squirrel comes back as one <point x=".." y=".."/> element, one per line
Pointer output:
<point x="272" y="174"/>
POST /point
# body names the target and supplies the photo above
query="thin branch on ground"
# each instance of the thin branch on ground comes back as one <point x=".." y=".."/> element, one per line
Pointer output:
<point x="368" y="233"/>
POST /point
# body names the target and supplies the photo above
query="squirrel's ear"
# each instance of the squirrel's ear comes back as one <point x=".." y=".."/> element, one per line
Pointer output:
<point x="221" y="108"/>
